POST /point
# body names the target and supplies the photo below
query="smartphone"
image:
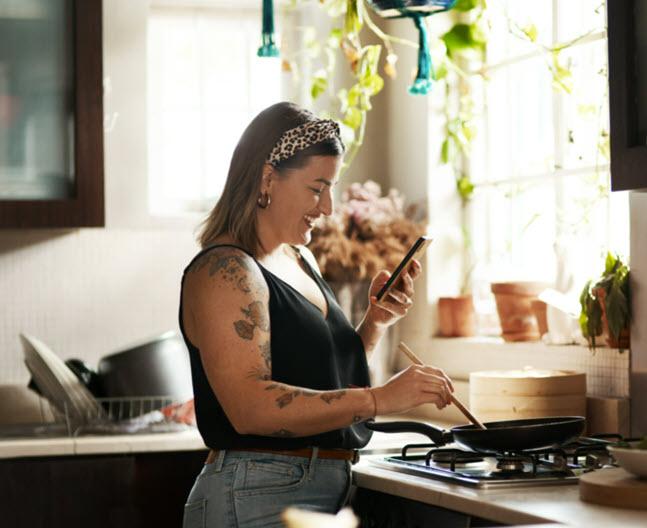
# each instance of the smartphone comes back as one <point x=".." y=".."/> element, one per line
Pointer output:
<point x="417" y="249"/>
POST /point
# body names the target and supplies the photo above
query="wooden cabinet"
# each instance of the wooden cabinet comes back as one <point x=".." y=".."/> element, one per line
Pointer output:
<point x="381" y="510"/>
<point x="51" y="114"/>
<point x="627" y="37"/>
<point x="146" y="490"/>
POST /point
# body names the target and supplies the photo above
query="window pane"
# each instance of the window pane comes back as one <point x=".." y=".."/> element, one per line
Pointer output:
<point x="520" y="139"/>
<point x="585" y="118"/>
<point x="205" y="85"/>
<point x="508" y="19"/>
<point x="579" y="17"/>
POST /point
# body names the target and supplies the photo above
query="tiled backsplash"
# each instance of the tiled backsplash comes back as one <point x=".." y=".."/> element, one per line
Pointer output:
<point x="607" y="370"/>
<point x="87" y="292"/>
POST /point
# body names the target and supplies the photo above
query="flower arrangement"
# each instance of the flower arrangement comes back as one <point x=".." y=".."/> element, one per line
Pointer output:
<point x="366" y="233"/>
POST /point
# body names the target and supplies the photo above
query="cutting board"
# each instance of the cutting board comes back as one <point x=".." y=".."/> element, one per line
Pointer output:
<point x="614" y="487"/>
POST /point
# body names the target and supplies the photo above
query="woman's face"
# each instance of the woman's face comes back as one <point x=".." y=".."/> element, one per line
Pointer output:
<point x="301" y="196"/>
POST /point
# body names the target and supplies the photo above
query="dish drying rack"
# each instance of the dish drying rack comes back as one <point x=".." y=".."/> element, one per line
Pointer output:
<point x="113" y="416"/>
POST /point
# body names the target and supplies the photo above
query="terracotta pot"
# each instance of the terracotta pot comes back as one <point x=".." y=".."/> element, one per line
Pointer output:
<point x="539" y="311"/>
<point x="456" y="316"/>
<point x="514" y="306"/>
<point x="624" y="339"/>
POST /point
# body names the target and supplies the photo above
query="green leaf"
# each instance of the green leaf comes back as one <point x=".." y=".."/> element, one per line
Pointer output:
<point x="531" y="32"/>
<point x="334" y="38"/>
<point x="465" y="187"/>
<point x="562" y="76"/>
<point x="464" y="39"/>
<point x="342" y="95"/>
<point x="354" y="94"/>
<point x="610" y="263"/>
<point x="373" y="83"/>
<point x="319" y="86"/>
<point x="353" y="20"/>
<point x="353" y="118"/>
<point x="466" y="5"/>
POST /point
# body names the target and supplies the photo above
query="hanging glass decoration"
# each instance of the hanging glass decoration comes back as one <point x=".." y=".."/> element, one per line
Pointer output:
<point x="417" y="10"/>
<point x="268" y="49"/>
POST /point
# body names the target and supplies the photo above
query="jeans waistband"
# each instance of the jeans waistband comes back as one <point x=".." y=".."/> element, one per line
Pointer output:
<point x="352" y="455"/>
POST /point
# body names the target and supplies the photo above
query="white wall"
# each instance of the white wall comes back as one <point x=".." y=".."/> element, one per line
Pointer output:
<point x="88" y="292"/>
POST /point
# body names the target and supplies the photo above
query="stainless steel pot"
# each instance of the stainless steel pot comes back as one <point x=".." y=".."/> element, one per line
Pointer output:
<point x="159" y="367"/>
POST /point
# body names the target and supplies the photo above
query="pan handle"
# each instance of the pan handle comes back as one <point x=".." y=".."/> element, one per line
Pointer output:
<point x="438" y="436"/>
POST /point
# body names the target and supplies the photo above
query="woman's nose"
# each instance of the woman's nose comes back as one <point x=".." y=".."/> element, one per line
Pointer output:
<point x="326" y="205"/>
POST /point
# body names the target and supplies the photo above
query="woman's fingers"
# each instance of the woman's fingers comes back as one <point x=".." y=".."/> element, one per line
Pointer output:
<point x="440" y="372"/>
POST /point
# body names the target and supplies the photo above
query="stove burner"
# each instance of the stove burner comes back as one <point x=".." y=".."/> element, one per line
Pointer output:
<point x="456" y="456"/>
<point x="510" y="465"/>
<point x="553" y="465"/>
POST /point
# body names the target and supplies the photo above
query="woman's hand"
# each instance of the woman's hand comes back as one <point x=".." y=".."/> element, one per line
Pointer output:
<point x="413" y="386"/>
<point x="395" y="304"/>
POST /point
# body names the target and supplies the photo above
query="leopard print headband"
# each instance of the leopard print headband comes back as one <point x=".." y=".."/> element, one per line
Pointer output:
<point x="302" y="137"/>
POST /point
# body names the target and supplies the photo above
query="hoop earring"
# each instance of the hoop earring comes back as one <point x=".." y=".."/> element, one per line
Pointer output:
<point x="264" y="200"/>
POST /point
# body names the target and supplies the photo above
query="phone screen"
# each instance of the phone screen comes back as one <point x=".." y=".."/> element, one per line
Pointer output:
<point x="417" y="249"/>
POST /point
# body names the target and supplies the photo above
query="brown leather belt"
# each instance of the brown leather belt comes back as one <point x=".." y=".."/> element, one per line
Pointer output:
<point x="337" y="454"/>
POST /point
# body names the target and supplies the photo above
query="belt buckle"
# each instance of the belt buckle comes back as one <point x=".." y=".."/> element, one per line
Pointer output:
<point x="355" y="458"/>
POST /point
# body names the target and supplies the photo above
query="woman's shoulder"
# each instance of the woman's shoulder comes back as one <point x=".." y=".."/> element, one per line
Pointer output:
<point x="224" y="264"/>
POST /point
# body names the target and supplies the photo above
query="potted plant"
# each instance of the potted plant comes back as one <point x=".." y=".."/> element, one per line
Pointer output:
<point x="606" y="305"/>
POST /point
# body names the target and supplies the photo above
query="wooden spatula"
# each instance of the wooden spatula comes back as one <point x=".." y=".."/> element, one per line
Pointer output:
<point x="416" y="360"/>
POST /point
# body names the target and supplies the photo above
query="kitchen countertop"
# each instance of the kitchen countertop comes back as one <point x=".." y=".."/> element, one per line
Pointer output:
<point x="529" y="505"/>
<point x="176" y="441"/>
<point x="101" y="444"/>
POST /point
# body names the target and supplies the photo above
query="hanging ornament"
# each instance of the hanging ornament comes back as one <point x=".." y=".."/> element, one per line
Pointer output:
<point x="417" y="10"/>
<point x="268" y="49"/>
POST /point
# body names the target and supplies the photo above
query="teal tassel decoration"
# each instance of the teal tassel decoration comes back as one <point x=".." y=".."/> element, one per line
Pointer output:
<point x="422" y="84"/>
<point x="268" y="49"/>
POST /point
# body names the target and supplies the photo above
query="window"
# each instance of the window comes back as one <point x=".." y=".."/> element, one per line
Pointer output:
<point x="541" y="208"/>
<point x="205" y="83"/>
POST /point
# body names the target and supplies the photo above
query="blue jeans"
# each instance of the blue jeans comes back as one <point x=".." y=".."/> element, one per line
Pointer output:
<point x="251" y="489"/>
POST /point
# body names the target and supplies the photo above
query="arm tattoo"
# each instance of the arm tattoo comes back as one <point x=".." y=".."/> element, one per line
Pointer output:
<point x="232" y="268"/>
<point x="330" y="396"/>
<point x="288" y="395"/>
<point x="244" y="329"/>
<point x="256" y="314"/>
<point x="263" y="372"/>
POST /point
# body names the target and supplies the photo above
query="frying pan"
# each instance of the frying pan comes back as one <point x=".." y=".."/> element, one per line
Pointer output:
<point x="507" y="436"/>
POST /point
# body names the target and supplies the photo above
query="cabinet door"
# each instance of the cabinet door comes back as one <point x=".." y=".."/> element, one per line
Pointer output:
<point x="51" y="114"/>
<point x="627" y="34"/>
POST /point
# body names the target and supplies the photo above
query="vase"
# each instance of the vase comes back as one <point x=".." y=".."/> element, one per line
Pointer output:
<point x="456" y="317"/>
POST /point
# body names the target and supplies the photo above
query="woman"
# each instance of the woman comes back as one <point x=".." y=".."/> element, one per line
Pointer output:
<point x="279" y="374"/>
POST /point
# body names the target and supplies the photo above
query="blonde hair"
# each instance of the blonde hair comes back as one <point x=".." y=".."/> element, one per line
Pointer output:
<point x="235" y="212"/>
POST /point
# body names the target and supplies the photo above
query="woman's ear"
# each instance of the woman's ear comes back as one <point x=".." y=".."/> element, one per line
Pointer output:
<point x="267" y="178"/>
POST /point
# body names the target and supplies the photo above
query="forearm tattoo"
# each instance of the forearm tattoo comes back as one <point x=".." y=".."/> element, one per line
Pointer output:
<point x="288" y="395"/>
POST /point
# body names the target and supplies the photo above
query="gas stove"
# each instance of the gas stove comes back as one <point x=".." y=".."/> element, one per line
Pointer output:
<point x="550" y="466"/>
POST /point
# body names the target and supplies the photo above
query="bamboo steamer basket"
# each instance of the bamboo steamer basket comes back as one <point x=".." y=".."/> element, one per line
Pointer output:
<point x="529" y="393"/>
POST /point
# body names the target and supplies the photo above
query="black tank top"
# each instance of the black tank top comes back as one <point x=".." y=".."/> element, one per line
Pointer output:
<point x="307" y="350"/>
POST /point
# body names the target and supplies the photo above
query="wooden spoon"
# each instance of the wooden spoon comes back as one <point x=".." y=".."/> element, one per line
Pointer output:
<point x="416" y="360"/>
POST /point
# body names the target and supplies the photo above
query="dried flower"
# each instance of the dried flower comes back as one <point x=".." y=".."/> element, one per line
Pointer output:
<point x="366" y="233"/>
